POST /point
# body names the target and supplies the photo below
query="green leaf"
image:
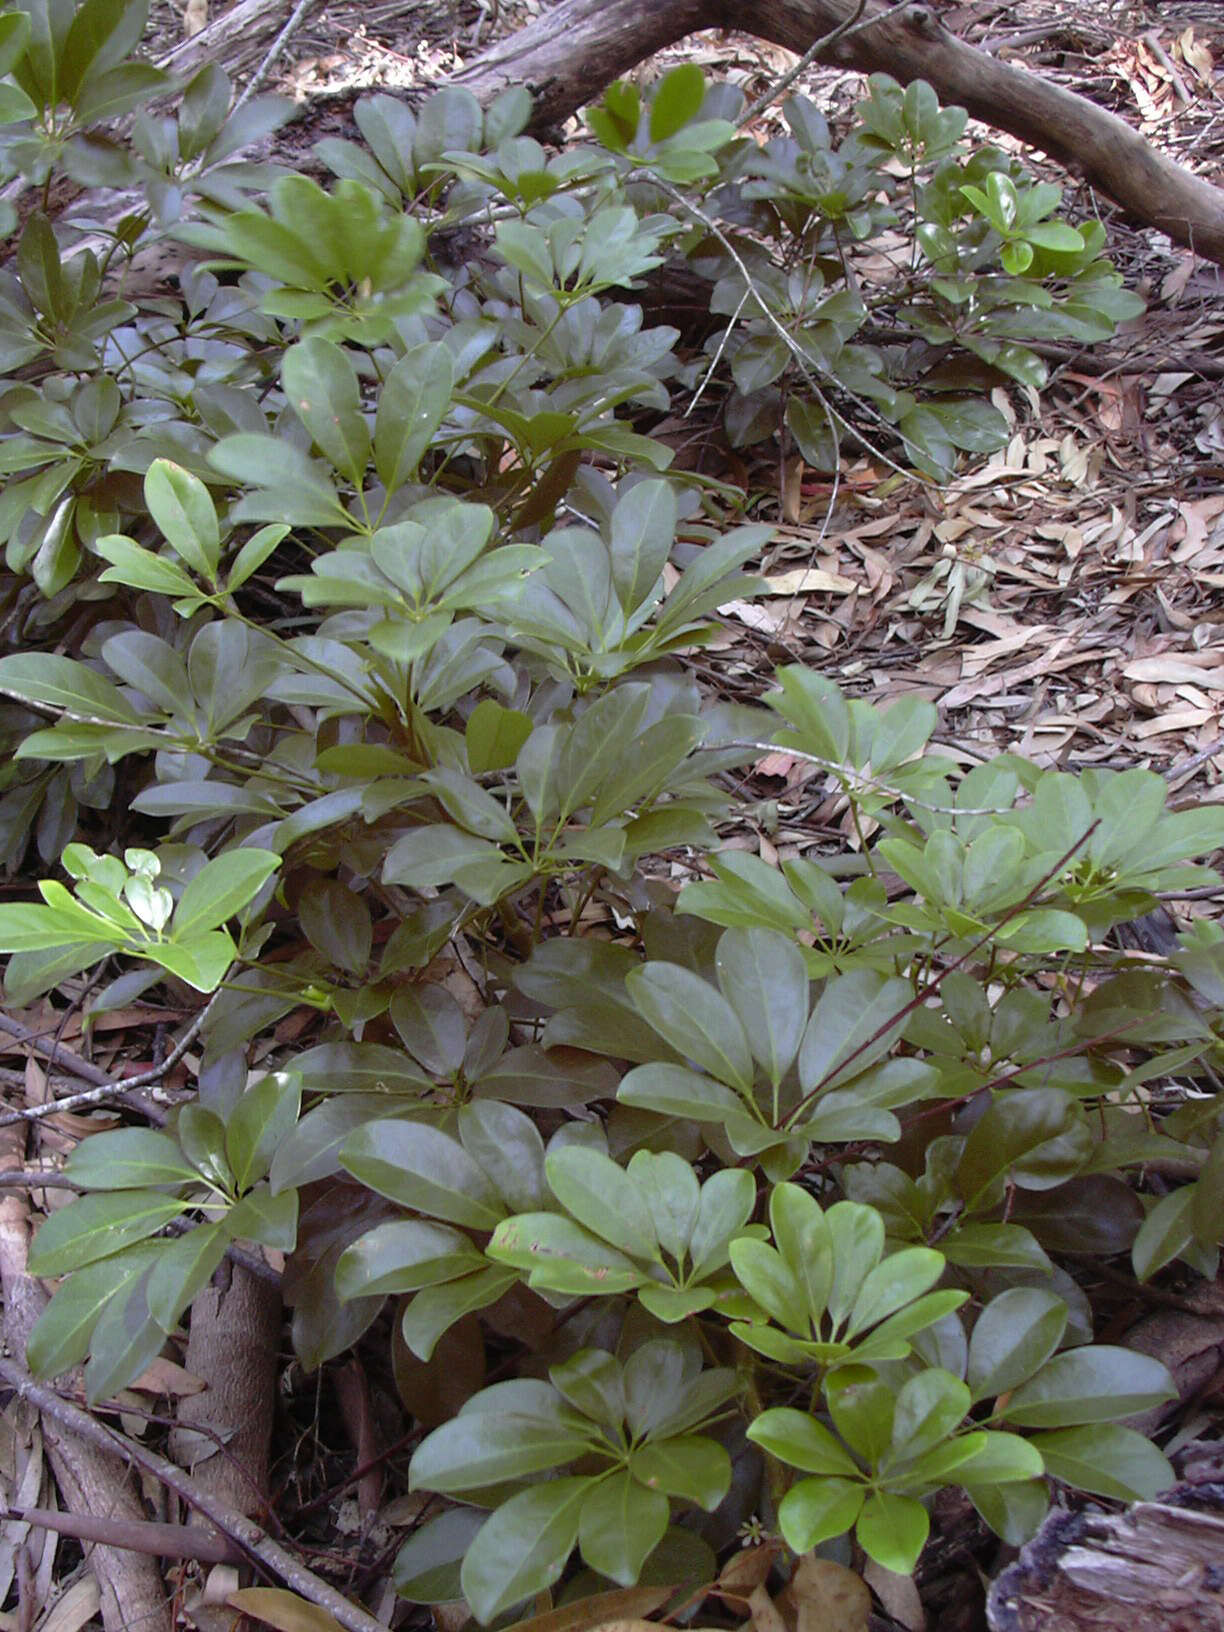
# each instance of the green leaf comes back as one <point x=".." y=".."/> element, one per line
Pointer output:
<point x="998" y="1459"/>
<point x="798" y="1439"/>
<point x="857" y="1241"/>
<point x="403" y="1256"/>
<point x="66" y="686"/>
<point x="727" y="1200"/>
<point x="893" y="1530"/>
<point x="620" y="1525"/>
<point x="640" y="537"/>
<point x="993" y="1246"/>
<point x="767" y="1279"/>
<point x="816" y="1510"/>
<point x="902" y="1278"/>
<point x="508" y="1146"/>
<point x="264" y="1116"/>
<point x="269" y="1219"/>
<point x="182" y="1269"/>
<point x="494" y="735"/>
<point x="14" y="37"/>
<point x="222" y="887"/>
<point x="436" y="1308"/>
<point x="1016" y="1333"/>
<point x="677" y="99"/>
<point x="695" y="1019"/>
<point x="1166" y="1232"/>
<point x="1037" y="1136"/>
<point x="562" y="1256"/>
<point x="852" y="1009"/>
<point x="862" y="1407"/>
<point x="321" y="386"/>
<point x="671" y="1192"/>
<point x="1106" y="1460"/>
<point x="181" y="506"/>
<point x="426" y="1568"/>
<point x="602" y="1196"/>
<point x="128" y="1159"/>
<point x="672" y="1090"/>
<point x="929" y="1407"/>
<point x="141" y="569"/>
<point x="411" y="407"/>
<point x="421" y="1167"/>
<point x="60" y="1338"/>
<point x="531" y="1432"/>
<point x="763" y="976"/>
<point x="689" y="1466"/>
<point x="1013" y="1511"/>
<point x="524" y="1547"/>
<point x="95" y="1226"/>
<point x="1096" y="1383"/>
<point x="124" y="1341"/>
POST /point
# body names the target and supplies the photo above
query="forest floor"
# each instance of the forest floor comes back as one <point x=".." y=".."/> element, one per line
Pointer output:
<point x="1065" y="599"/>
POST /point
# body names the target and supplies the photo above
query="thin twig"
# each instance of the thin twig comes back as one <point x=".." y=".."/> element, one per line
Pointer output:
<point x="241" y="1530"/>
<point x="870" y="784"/>
<point x="33" y="1178"/>
<point x="805" y="61"/>
<point x="930" y="987"/>
<point x="274" y="50"/>
<point x="788" y="340"/>
<point x="105" y="1087"/>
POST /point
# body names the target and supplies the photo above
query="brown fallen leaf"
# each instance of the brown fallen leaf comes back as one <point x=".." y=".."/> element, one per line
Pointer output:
<point x="898" y="1594"/>
<point x="616" y="1611"/>
<point x="823" y="1596"/>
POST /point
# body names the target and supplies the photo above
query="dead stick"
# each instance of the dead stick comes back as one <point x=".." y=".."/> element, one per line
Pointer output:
<point x="240" y="1530"/>
<point x="137" y="1535"/>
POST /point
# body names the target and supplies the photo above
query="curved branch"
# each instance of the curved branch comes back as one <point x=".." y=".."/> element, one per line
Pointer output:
<point x="567" y="55"/>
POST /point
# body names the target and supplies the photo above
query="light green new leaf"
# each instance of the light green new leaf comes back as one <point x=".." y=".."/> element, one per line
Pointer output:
<point x="799" y="1440"/>
<point x="222" y="887"/>
<point x="893" y="1530"/>
<point x="816" y="1510"/>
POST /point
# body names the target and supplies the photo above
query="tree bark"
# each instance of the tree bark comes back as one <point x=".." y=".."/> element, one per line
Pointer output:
<point x="568" y="54"/>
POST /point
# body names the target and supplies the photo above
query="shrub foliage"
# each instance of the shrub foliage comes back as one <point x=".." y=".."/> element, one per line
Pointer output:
<point x="350" y="577"/>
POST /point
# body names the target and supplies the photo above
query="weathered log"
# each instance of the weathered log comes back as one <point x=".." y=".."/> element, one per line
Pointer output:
<point x="569" y="53"/>
<point x="1158" y="1566"/>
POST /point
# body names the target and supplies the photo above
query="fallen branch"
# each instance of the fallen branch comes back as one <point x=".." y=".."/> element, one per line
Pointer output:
<point x="245" y="1534"/>
<point x="568" y="54"/>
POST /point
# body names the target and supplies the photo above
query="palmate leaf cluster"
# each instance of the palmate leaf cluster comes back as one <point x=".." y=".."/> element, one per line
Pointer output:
<point x="350" y="576"/>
